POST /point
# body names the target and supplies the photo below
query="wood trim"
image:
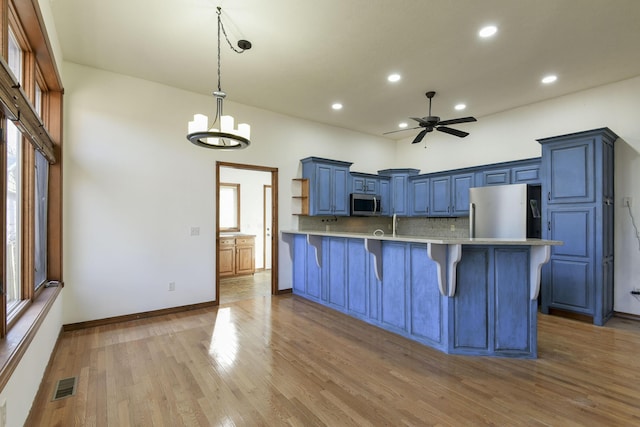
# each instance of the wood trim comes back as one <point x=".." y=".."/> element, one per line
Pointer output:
<point x="19" y="337"/>
<point x="30" y="16"/>
<point x="274" y="221"/>
<point x="136" y="316"/>
<point x="54" y="210"/>
<point x="238" y="216"/>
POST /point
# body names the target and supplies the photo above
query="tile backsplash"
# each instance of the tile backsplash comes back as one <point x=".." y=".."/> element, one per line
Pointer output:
<point x="406" y="226"/>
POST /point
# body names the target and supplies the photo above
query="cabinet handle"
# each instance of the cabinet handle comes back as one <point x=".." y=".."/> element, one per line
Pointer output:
<point x="549" y="225"/>
<point x="549" y="196"/>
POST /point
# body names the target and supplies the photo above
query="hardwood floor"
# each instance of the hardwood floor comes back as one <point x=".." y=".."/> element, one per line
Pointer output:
<point x="245" y="287"/>
<point x="286" y="361"/>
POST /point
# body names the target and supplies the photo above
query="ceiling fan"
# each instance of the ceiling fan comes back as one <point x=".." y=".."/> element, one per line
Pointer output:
<point x="430" y="123"/>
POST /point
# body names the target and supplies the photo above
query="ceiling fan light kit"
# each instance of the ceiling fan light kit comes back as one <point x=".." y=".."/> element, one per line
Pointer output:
<point x="429" y="123"/>
<point x="226" y="137"/>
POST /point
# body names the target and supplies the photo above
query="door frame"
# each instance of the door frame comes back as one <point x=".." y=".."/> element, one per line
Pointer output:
<point x="274" y="221"/>
<point x="264" y="221"/>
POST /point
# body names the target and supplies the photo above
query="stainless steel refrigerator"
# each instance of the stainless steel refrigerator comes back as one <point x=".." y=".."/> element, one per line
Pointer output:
<point x="505" y="211"/>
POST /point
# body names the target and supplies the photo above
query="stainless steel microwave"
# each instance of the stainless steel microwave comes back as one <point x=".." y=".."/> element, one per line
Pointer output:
<point x="365" y="205"/>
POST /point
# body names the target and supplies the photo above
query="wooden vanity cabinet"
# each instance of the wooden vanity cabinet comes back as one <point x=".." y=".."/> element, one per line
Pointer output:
<point x="237" y="256"/>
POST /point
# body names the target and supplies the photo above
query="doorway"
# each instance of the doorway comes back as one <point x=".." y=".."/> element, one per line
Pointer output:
<point x="247" y="251"/>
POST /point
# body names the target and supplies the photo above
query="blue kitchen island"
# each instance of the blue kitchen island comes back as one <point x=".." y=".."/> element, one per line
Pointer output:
<point x="461" y="296"/>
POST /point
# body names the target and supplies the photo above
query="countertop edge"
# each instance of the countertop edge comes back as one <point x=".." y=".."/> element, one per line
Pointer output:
<point x="436" y="240"/>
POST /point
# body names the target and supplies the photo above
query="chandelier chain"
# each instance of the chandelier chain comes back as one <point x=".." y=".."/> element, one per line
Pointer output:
<point x="221" y="28"/>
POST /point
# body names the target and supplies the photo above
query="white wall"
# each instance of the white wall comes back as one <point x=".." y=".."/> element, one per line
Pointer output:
<point x="134" y="186"/>
<point x="25" y="380"/>
<point x="512" y="135"/>
<point x="251" y="203"/>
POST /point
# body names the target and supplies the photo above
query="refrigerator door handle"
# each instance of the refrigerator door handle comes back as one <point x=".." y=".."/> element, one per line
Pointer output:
<point x="472" y="220"/>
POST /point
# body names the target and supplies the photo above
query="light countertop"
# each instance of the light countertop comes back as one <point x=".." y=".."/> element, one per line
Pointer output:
<point x="423" y="239"/>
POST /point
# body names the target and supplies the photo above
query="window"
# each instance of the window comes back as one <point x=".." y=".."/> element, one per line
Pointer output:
<point x="13" y="214"/>
<point x="229" y="207"/>
<point x="31" y="184"/>
<point x="40" y="222"/>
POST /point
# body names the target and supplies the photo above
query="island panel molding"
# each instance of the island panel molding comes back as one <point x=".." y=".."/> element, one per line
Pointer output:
<point x="489" y="311"/>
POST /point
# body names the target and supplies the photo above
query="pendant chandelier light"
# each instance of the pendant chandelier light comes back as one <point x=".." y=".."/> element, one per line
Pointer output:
<point x="222" y="136"/>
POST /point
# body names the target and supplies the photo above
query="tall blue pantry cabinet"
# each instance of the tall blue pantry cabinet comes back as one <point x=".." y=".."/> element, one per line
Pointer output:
<point x="577" y="181"/>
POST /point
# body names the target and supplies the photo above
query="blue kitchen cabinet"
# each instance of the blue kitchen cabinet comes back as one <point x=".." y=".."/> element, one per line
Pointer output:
<point x="307" y="277"/>
<point x="500" y="176"/>
<point x="398" y="181"/>
<point x="526" y="172"/>
<point x="440" y="195"/>
<point x="385" y="195"/>
<point x="450" y="194"/>
<point x="418" y="193"/>
<point x="328" y="185"/>
<point x="365" y="183"/>
<point x="577" y="184"/>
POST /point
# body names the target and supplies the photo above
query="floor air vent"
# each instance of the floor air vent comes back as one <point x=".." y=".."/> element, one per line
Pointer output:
<point x="66" y="387"/>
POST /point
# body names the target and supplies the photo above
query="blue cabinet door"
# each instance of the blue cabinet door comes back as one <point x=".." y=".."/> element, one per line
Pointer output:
<point x="460" y="185"/>
<point x="385" y="197"/>
<point x="323" y="193"/>
<point x="440" y="197"/>
<point x="570" y="276"/>
<point x="419" y="196"/>
<point x="364" y="184"/>
<point x="393" y="312"/>
<point x="495" y="177"/>
<point x="526" y="174"/>
<point x="340" y="192"/>
<point x="399" y="195"/>
<point x="569" y="171"/>
<point x="335" y="251"/>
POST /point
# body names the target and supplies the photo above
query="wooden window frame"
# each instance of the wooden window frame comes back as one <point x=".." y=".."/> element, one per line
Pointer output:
<point x="27" y="23"/>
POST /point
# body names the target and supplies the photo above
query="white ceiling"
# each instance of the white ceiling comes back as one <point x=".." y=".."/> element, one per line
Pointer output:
<point x="308" y="54"/>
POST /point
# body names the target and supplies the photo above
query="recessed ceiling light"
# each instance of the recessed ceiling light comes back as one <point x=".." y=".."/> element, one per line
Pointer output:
<point x="403" y="125"/>
<point x="549" y="79"/>
<point x="488" y="31"/>
<point x="393" y="77"/>
<point x="460" y="107"/>
<point x="336" y="106"/>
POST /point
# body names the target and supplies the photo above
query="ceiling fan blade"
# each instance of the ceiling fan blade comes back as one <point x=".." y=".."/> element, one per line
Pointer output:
<point x="455" y="132"/>
<point x="419" y="120"/>
<point x="420" y="136"/>
<point x="456" y="121"/>
<point x="401" y="130"/>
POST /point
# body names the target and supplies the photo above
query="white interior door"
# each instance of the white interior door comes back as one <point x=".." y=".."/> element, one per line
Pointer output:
<point x="267" y="227"/>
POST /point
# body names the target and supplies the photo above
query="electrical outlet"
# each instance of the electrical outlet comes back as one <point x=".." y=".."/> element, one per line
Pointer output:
<point x="627" y="201"/>
<point x="172" y="286"/>
<point x="452" y="227"/>
<point x="195" y="231"/>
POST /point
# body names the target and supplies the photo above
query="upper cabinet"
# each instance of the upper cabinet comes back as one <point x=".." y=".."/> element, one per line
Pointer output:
<point x="449" y="195"/>
<point x="419" y="204"/>
<point x="398" y="179"/>
<point x="402" y="191"/>
<point x="328" y="185"/>
<point x="517" y="172"/>
<point x="365" y="183"/>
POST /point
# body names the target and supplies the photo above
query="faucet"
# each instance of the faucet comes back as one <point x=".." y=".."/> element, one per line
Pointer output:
<point x="394" y="225"/>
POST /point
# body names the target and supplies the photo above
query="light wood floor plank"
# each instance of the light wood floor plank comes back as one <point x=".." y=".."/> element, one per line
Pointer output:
<point x="287" y="361"/>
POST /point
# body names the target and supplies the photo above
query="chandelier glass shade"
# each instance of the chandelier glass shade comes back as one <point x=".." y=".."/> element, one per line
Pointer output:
<point x="222" y="134"/>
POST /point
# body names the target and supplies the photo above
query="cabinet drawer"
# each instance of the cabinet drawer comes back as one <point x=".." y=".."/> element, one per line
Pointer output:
<point x="244" y="240"/>
<point x="227" y="241"/>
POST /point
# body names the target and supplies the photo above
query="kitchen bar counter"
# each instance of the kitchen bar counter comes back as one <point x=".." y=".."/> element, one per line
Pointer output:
<point x="461" y="296"/>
